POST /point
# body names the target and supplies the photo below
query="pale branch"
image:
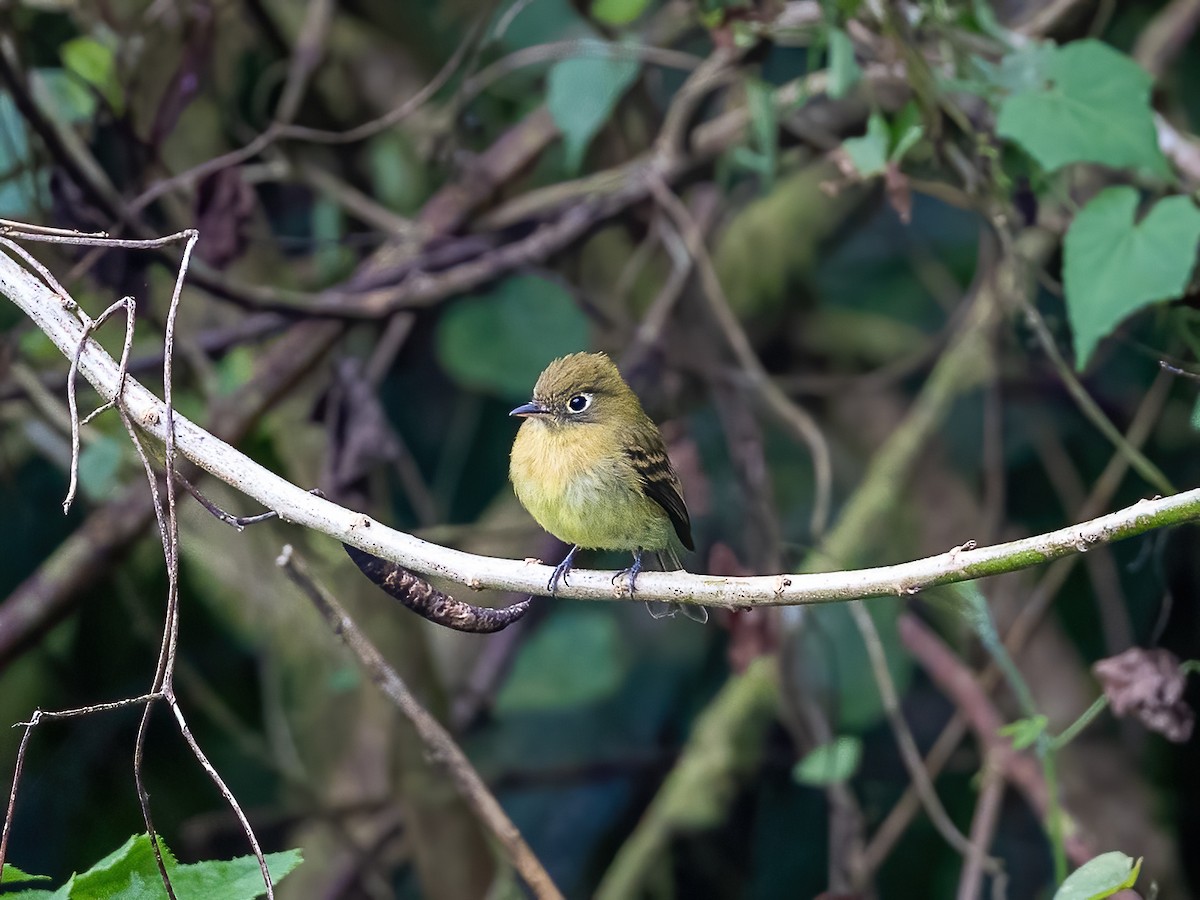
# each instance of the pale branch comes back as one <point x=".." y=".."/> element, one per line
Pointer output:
<point x="295" y="504"/>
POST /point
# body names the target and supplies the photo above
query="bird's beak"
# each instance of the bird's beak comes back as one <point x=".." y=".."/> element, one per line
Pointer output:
<point x="532" y="408"/>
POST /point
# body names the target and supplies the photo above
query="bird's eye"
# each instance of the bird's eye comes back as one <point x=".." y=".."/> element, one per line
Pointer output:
<point x="579" y="403"/>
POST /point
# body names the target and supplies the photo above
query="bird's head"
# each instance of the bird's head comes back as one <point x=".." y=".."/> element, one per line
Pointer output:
<point x="580" y="388"/>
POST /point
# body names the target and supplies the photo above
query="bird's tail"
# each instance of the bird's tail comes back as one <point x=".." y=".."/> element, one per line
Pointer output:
<point x="668" y="561"/>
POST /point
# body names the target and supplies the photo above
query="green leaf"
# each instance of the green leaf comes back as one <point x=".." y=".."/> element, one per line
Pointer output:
<point x="745" y="35"/>
<point x="985" y="18"/>
<point x="99" y="466"/>
<point x="63" y="893"/>
<point x="235" y="368"/>
<point x="23" y="191"/>
<point x="1195" y="420"/>
<point x="14" y="149"/>
<point x="581" y="94"/>
<point x="1091" y="103"/>
<point x="618" y="12"/>
<point x="95" y="63"/>
<point x="830" y="763"/>
<point x="332" y="257"/>
<point x="235" y="879"/>
<point x="907" y="130"/>
<point x="13" y="875"/>
<point x="1113" y="267"/>
<point x="131" y="873"/>
<point x="844" y="72"/>
<point x="1025" y="732"/>
<point x="499" y="342"/>
<point x="764" y="127"/>
<point x="398" y="175"/>
<point x="1100" y="877"/>
<point x="869" y="153"/>
<point x="70" y="101"/>
<point x="128" y="873"/>
<point x="1025" y="69"/>
<point x="575" y="658"/>
<point x="530" y="23"/>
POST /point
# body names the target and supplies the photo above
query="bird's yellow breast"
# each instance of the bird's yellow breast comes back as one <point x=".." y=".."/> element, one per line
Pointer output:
<point x="582" y="489"/>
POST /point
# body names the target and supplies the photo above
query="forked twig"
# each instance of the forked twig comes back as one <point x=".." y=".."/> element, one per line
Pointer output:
<point x="165" y="513"/>
<point x="90" y="325"/>
<point x="34" y="721"/>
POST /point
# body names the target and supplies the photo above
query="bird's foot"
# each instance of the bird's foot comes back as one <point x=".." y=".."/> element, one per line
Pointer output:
<point x="632" y="571"/>
<point x="560" y="571"/>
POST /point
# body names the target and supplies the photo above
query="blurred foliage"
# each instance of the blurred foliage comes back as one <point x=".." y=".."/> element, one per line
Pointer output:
<point x="853" y="215"/>
<point x="499" y="343"/>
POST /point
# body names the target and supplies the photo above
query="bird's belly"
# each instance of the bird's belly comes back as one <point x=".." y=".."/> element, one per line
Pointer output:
<point x="614" y="519"/>
<point x="597" y="510"/>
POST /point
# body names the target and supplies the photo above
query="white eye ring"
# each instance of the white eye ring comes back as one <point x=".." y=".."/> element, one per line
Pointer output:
<point x="579" y="403"/>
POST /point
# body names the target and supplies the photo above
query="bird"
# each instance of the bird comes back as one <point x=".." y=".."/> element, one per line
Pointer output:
<point x="591" y="467"/>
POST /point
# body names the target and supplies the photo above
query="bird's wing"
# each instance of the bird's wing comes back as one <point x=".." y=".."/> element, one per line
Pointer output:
<point x="661" y="484"/>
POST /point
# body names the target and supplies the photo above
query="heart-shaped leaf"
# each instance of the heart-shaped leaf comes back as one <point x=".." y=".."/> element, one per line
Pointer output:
<point x="582" y="92"/>
<point x="1114" y="266"/>
<point x="1084" y="102"/>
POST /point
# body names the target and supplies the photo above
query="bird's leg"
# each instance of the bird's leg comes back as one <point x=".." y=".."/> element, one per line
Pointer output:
<point x="560" y="571"/>
<point x="632" y="571"/>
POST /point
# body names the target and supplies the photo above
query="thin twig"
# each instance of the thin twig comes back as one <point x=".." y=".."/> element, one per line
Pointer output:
<point x="587" y="48"/>
<point x="983" y="828"/>
<point x="1091" y="410"/>
<point x="37" y="718"/>
<point x="398" y="114"/>
<point x="795" y="419"/>
<point x="908" y="746"/>
<point x="1068" y="484"/>
<point x="305" y="57"/>
<point x="438" y="741"/>
<point x="953" y="678"/>
<point x="169" y="530"/>
<point x="649" y="330"/>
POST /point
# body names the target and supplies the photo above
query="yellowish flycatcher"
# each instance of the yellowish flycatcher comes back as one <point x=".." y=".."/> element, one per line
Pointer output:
<point x="591" y="468"/>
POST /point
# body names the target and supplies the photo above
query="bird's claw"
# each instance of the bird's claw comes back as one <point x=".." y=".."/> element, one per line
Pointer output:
<point x="560" y="572"/>
<point x="632" y="572"/>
